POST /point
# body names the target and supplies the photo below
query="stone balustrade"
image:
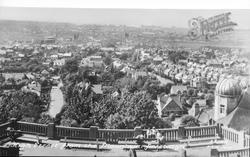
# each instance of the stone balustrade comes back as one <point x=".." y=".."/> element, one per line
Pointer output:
<point x="111" y="135"/>
<point x="245" y="152"/>
<point x="3" y="128"/>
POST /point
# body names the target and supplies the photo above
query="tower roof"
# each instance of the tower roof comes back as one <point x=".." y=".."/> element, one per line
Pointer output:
<point x="228" y="87"/>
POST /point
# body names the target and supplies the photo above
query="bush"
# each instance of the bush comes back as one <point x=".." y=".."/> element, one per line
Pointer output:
<point x="189" y="121"/>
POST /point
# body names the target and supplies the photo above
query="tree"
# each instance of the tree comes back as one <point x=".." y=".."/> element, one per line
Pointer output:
<point x="189" y="121"/>
<point x="164" y="123"/>
<point x="190" y="92"/>
<point x="20" y="105"/>
<point x="102" y="110"/>
<point x="107" y="60"/>
<point x="209" y="99"/>
<point x="70" y="66"/>
<point x="175" y="56"/>
<point x="135" y="110"/>
<point x="124" y="56"/>
<point x="78" y="106"/>
<point x="45" y="119"/>
<point x="2" y="78"/>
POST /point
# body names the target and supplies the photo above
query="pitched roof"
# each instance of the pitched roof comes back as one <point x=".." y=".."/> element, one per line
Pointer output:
<point x="170" y="103"/>
<point x="205" y="115"/>
<point x="44" y="72"/>
<point x="239" y="118"/>
<point x="201" y="102"/>
<point x="180" y="88"/>
<point x="97" y="89"/>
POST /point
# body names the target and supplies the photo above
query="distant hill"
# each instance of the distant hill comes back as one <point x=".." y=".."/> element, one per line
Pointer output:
<point x="27" y="30"/>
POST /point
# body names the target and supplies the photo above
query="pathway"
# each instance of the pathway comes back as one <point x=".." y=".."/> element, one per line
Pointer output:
<point x="57" y="100"/>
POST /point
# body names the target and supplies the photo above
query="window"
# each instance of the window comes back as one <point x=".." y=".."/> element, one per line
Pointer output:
<point x="222" y="108"/>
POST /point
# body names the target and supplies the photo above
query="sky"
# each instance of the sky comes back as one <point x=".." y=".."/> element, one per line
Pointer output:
<point x="132" y="17"/>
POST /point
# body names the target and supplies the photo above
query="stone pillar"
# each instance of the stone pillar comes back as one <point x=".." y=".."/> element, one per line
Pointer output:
<point x="51" y="132"/>
<point x="93" y="132"/>
<point x="181" y="132"/>
<point x="14" y="124"/>
<point x="137" y="131"/>
<point x="218" y="130"/>
<point x="214" y="153"/>
<point x="132" y="153"/>
<point x="183" y="153"/>
<point x="241" y="138"/>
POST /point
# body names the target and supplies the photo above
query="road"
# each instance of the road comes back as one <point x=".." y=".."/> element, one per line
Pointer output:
<point x="57" y="100"/>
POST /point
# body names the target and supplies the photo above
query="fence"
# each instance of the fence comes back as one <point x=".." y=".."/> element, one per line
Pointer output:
<point x="171" y="134"/>
<point x="113" y="135"/>
<point x="32" y="128"/>
<point x="72" y="132"/>
<point x="247" y="141"/>
<point x="245" y="152"/>
<point x="200" y="132"/>
<point x="237" y="137"/>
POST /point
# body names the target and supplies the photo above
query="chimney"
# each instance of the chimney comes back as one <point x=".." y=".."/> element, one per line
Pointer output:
<point x="196" y="109"/>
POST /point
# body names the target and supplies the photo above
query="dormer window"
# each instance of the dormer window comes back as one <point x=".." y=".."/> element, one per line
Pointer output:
<point x="222" y="109"/>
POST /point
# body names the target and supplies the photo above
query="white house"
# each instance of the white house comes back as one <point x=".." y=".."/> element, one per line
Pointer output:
<point x="59" y="62"/>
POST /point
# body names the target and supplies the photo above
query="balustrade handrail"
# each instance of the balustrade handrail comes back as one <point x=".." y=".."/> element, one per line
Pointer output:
<point x="37" y="124"/>
<point x="4" y="124"/>
<point x="230" y="129"/>
<point x="76" y="128"/>
<point x="164" y="129"/>
<point x="116" y="130"/>
<point x="232" y="151"/>
<point x="201" y="127"/>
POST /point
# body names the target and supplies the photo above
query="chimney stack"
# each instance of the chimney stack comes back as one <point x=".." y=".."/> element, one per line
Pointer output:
<point x="196" y="109"/>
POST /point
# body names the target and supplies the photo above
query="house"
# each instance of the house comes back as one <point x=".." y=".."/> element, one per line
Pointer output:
<point x="203" y="114"/>
<point x="117" y="64"/>
<point x="201" y="102"/>
<point x="15" y="76"/>
<point x="92" y="61"/>
<point x="59" y="62"/>
<point x="168" y="104"/>
<point x="29" y="76"/>
<point x="178" y="88"/>
<point x="53" y="57"/>
<point x="183" y="62"/>
<point x="2" y="59"/>
<point x="205" y="117"/>
<point x="158" y="60"/>
<point x="49" y="40"/>
<point x="2" y="52"/>
<point x="97" y="89"/>
<point x="34" y="87"/>
<point x="65" y="55"/>
<point x="136" y="74"/>
<point x="45" y="72"/>
<point x="106" y="49"/>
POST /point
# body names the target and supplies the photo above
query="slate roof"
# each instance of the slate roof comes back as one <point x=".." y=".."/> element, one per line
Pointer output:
<point x="239" y="118"/>
<point x="181" y="88"/>
<point x="97" y="89"/>
<point x="205" y="115"/>
<point x="170" y="103"/>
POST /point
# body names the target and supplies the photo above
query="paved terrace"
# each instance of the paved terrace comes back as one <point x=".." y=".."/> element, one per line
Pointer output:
<point x="205" y="141"/>
<point x="56" y="148"/>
